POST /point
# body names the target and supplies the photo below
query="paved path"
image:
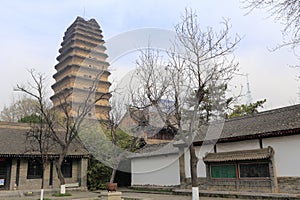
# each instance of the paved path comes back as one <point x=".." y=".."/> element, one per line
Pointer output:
<point x="86" y="195"/>
<point x="146" y="196"/>
<point x="76" y="195"/>
<point x="94" y="196"/>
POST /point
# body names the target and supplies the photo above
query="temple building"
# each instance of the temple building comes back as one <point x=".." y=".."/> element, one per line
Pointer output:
<point x="253" y="153"/>
<point x="21" y="166"/>
<point x="82" y="70"/>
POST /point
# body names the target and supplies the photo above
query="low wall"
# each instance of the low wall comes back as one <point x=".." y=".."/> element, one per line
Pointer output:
<point x="289" y="185"/>
<point x="240" y="185"/>
<point x="201" y="181"/>
<point x="232" y="185"/>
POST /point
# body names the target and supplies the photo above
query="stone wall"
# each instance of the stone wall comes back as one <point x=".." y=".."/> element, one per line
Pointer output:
<point x="289" y="184"/>
<point x="285" y="185"/>
<point x="233" y="185"/>
<point x="240" y="185"/>
<point x="79" y="168"/>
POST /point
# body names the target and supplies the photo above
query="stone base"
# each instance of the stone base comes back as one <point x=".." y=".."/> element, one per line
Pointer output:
<point x="111" y="195"/>
<point x="289" y="185"/>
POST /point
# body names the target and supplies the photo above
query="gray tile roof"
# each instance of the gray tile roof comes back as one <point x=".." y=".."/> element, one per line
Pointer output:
<point x="13" y="142"/>
<point x="277" y="121"/>
<point x="256" y="154"/>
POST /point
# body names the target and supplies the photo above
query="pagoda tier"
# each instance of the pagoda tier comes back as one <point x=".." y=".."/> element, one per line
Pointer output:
<point x="81" y="65"/>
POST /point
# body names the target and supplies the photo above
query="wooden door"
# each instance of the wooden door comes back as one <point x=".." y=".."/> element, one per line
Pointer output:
<point x="4" y="173"/>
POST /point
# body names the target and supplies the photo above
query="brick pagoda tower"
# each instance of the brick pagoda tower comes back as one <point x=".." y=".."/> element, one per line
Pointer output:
<point x="81" y="65"/>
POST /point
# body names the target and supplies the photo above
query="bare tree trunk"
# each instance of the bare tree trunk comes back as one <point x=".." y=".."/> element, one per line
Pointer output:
<point x="194" y="161"/>
<point x="42" y="184"/>
<point x="60" y="175"/>
<point x="113" y="175"/>
<point x="194" y="175"/>
<point x="182" y="171"/>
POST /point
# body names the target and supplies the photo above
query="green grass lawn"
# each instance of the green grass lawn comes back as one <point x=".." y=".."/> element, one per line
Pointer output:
<point x="62" y="195"/>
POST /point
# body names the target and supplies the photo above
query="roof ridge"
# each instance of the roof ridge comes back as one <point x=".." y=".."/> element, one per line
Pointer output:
<point x="266" y="112"/>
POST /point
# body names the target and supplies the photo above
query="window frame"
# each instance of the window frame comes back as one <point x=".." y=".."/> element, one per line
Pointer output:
<point x="257" y="162"/>
<point x="222" y="164"/>
<point x="34" y="168"/>
<point x="237" y="170"/>
<point x="67" y="168"/>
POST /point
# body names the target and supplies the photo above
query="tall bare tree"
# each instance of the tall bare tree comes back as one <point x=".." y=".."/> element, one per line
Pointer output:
<point x="210" y="65"/>
<point x="64" y="122"/>
<point x="286" y="12"/>
<point x="199" y="67"/>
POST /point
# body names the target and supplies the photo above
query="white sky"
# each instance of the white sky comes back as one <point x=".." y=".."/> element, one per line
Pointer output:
<point x="31" y="33"/>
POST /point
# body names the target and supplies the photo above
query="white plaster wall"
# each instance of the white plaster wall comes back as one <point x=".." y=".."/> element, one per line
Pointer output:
<point x="238" y="146"/>
<point x="201" y="151"/>
<point x="287" y="151"/>
<point x="157" y="170"/>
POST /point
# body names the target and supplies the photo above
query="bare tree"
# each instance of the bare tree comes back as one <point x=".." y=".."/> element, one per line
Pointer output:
<point x="64" y="122"/>
<point x="286" y="12"/>
<point x="39" y="140"/>
<point x="162" y="77"/>
<point x="199" y="67"/>
<point x="149" y="84"/>
<point x="209" y="64"/>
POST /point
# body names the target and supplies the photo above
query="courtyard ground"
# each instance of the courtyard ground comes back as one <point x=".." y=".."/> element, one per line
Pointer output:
<point x="131" y="194"/>
<point x="83" y="195"/>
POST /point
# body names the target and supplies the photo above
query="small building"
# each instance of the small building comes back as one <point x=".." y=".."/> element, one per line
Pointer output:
<point x="20" y="166"/>
<point x="252" y="153"/>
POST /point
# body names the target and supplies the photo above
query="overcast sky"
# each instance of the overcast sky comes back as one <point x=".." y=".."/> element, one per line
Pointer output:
<point x="31" y="33"/>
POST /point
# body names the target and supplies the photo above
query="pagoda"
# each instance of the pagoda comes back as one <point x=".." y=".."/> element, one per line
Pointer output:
<point x="82" y="71"/>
